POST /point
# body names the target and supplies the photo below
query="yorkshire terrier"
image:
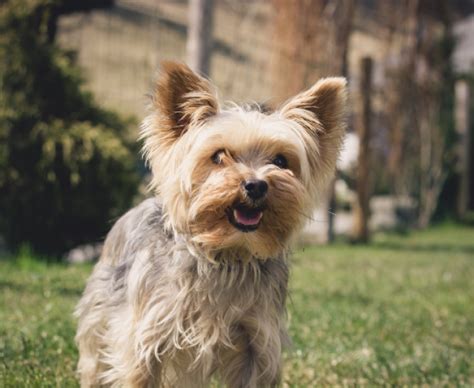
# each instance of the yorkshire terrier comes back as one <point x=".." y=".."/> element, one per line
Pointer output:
<point x="192" y="283"/>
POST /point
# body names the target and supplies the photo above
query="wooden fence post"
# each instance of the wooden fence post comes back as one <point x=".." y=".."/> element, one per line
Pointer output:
<point x="331" y="211"/>
<point x="199" y="41"/>
<point x="462" y="105"/>
<point x="363" y="123"/>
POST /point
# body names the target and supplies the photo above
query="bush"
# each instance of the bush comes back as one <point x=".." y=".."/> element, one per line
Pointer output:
<point x="67" y="167"/>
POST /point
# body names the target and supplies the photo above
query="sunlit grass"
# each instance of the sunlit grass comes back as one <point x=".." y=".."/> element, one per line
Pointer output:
<point x="397" y="312"/>
<point x="36" y="325"/>
<point x="400" y="311"/>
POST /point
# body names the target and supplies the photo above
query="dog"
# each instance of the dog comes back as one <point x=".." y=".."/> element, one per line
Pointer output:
<point x="191" y="284"/>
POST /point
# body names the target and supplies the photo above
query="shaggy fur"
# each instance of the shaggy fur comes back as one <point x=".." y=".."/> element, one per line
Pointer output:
<point x="193" y="282"/>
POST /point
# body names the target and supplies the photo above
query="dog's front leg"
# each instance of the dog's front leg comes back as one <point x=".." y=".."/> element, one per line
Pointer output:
<point x="251" y="363"/>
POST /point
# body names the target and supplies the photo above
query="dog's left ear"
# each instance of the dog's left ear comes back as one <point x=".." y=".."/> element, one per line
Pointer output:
<point x="321" y="111"/>
<point x="182" y="99"/>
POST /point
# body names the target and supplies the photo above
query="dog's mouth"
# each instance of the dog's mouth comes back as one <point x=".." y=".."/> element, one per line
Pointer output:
<point x="245" y="218"/>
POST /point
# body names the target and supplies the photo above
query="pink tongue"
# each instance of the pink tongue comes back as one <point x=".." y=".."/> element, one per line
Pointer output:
<point x="245" y="219"/>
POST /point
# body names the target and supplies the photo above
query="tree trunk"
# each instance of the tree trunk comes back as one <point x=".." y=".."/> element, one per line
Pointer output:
<point x="312" y="40"/>
<point x="343" y="33"/>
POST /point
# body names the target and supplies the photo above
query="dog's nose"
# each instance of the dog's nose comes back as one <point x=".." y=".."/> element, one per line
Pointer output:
<point x="256" y="188"/>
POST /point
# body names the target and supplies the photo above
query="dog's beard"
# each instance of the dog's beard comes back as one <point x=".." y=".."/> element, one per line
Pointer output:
<point x="225" y="223"/>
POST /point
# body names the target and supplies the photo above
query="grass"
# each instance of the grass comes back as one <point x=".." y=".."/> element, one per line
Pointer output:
<point x="397" y="312"/>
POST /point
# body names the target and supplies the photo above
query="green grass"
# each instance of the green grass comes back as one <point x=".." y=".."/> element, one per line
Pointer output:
<point x="36" y="326"/>
<point x="397" y="312"/>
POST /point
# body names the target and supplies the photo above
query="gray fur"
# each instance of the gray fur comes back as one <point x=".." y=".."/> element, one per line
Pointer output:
<point x="155" y="315"/>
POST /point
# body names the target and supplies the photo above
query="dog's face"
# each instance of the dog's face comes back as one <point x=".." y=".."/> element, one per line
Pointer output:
<point x="240" y="181"/>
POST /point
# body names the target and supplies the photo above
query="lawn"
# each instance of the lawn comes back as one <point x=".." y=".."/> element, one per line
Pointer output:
<point x="397" y="312"/>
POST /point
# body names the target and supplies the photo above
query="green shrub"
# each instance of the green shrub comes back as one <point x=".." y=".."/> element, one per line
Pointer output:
<point x="67" y="167"/>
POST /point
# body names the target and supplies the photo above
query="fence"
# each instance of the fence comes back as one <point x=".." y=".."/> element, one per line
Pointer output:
<point x="120" y="49"/>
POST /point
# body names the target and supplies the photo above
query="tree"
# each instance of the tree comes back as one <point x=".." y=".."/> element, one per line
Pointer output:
<point x="312" y="41"/>
<point x="420" y="94"/>
<point x="66" y="166"/>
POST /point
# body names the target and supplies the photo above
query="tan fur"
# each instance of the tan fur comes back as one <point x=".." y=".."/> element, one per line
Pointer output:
<point x="181" y="294"/>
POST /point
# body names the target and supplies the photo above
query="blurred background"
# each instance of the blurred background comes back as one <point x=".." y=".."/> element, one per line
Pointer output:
<point x="74" y="77"/>
<point x="381" y="291"/>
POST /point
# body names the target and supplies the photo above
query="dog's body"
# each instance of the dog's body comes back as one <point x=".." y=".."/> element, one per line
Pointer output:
<point x="193" y="283"/>
<point x="194" y="312"/>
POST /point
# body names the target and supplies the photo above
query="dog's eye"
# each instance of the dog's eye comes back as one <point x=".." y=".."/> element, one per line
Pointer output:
<point x="280" y="161"/>
<point x="217" y="156"/>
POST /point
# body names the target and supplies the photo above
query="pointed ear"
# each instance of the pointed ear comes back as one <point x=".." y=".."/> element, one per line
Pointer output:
<point x="182" y="99"/>
<point x="321" y="111"/>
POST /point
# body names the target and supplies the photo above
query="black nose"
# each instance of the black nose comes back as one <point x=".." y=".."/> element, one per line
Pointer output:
<point x="256" y="188"/>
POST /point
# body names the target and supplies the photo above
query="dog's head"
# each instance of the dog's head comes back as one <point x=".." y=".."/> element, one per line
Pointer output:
<point x="238" y="180"/>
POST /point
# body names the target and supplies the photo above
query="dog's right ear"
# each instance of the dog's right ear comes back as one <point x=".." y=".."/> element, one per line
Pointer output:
<point x="181" y="99"/>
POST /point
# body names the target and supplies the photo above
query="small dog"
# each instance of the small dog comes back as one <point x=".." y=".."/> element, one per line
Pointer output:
<point x="193" y="282"/>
